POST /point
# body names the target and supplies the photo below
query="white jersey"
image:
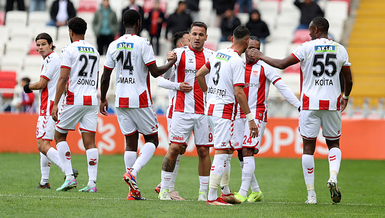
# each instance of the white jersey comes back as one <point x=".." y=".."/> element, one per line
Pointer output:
<point x="172" y="87"/>
<point x="131" y="54"/>
<point x="51" y="72"/>
<point x="82" y="59"/>
<point x="189" y="61"/>
<point x="227" y="70"/>
<point x="321" y="62"/>
<point x="258" y="77"/>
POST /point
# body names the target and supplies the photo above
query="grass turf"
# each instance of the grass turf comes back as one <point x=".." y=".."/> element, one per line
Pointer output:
<point x="281" y="181"/>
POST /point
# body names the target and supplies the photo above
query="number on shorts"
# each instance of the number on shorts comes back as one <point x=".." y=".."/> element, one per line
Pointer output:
<point x="210" y="137"/>
<point x="85" y="58"/>
<point x="247" y="140"/>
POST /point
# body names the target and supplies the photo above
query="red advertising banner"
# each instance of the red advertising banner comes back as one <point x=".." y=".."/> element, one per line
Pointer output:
<point x="359" y="138"/>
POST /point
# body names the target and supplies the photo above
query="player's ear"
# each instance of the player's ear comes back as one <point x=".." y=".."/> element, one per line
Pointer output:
<point x="232" y="38"/>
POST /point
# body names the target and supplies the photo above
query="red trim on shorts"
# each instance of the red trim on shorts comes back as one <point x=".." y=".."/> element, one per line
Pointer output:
<point x="108" y="68"/>
<point x="87" y="100"/>
<point x="87" y="130"/>
<point x="65" y="67"/>
<point x="295" y="57"/>
<point x="42" y="76"/>
<point x="131" y="133"/>
<point x="152" y="133"/>
<point x="208" y="145"/>
<point x="47" y="140"/>
<point x="332" y="137"/>
<point x="324" y="104"/>
<point x="222" y="149"/>
<point x="178" y="143"/>
<point x="64" y="129"/>
<point x="152" y="62"/>
<point x="41" y="136"/>
<point x="308" y="138"/>
<point x="345" y="66"/>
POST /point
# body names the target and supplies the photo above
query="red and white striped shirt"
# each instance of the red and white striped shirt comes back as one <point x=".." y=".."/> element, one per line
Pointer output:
<point x="51" y="72"/>
<point x="321" y="63"/>
<point x="82" y="59"/>
<point x="189" y="61"/>
<point x="131" y="54"/>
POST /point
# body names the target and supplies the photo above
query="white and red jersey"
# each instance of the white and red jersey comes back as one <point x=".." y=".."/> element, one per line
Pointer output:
<point x="130" y="55"/>
<point x="82" y="59"/>
<point x="227" y="69"/>
<point x="51" y="72"/>
<point x="321" y="62"/>
<point x="189" y="61"/>
<point x="258" y="77"/>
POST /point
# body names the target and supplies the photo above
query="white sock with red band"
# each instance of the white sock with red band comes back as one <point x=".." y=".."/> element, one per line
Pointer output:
<point x="129" y="159"/>
<point x="308" y="173"/>
<point x="334" y="162"/>
<point x="65" y="156"/>
<point x="92" y="161"/>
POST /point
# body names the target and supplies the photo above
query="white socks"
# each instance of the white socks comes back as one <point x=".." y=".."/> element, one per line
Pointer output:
<point x="166" y="180"/>
<point x="129" y="159"/>
<point x="92" y="161"/>
<point x="144" y="156"/>
<point x="203" y="183"/>
<point x="247" y="174"/>
<point x="226" y="176"/>
<point x="216" y="173"/>
<point x="334" y="162"/>
<point x="65" y="157"/>
<point x="53" y="155"/>
<point x="174" y="173"/>
<point x="44" y="168"/>
<point x="308" y="173"/>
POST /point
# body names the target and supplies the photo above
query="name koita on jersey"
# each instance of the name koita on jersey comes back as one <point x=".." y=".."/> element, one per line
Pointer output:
<point x="323" y="82"/>
<point x="218" y="92"/>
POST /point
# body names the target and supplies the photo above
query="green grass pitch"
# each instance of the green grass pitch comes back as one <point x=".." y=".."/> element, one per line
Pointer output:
<point x="362" y="185"/>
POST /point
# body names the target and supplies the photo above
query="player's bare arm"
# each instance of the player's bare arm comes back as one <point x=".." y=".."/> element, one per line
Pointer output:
<point x="200" y="76"/>
<point x="104" y="85"/>
<point x="41" y="84"/>
<point x="242" y="101"/>
<point x="157" y="71"/>
<point x="278" y="63"/>
<point x="346" y="72"/>
<point x="61" y="84"/>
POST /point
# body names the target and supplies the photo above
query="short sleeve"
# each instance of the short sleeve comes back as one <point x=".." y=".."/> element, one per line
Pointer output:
<point x="51" y="68"/>
<point x="345" y="57"/>
<point x="270" y="73"/>
<point x="147" y="52"/>
<point x="300" y="52"/>
<point x="238" y="68"/>
<point x="109" y="62"/>
<point x="66" y="58"/>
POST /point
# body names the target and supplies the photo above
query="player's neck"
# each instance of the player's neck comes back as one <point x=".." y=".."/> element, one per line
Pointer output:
<point x="131" y="30"/>
<point x="77" y="38"/>
<point x="237" y="48"/>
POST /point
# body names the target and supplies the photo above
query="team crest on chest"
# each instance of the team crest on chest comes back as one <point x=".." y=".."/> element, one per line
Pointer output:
<point x="254" y="73"/>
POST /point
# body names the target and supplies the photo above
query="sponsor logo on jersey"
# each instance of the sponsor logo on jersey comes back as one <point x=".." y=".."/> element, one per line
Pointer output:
<point x="190" y="60"/>
<point x="251" y="85"/>
<point x="86" y="50"/>
<point x="125" y="45"/>
<point x="223" y="57"/>
<point x="325" y="48"/>
<point x="323" y="82"/>
<point x="190" y="71"/>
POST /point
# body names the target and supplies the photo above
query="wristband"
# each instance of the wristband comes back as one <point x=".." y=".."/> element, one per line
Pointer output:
<point x="345" y="97"/>
<point x="250" y="116"/>
<point x="27" y="89"/>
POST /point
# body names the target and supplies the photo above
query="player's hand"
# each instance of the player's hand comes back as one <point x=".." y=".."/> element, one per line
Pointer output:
<point x="344" y="104"/>
<point x="255" y="53"/>
<point x="104" y="108"/>
<point x="171" y="56"/>
<point x="185" y="87"/>
<point x="253" y="128"/>
<point x="54" y="113"/>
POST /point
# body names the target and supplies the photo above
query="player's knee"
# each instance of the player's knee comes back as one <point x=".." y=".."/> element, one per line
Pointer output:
<point x="203" y="152"/>
<point x="174" y="149"/>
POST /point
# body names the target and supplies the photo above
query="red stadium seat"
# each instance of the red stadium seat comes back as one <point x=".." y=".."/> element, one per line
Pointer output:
<point x="296" y="68"/>
<point x="32" y="49"/>
<point x="2" y="17"/>
<point x="211" y="45"/>
<point x="88" y="6"/>
<point x="301" y="36"/>
<point x="8" y="82"/>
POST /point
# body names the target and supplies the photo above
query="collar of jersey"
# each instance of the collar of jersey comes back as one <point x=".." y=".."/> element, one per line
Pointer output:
<point x="234" y="51"/>
<point x="253" y="63"/>
<point x="194" y="49"/>
<point x="49" y="54"/>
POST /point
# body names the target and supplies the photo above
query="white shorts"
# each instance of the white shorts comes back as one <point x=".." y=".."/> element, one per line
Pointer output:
<point x="242" y="134"/>
<point x="310" y="122"/>
<point x="141" y="120"/>
<point x="183" y="124"/>
<point x="223" y="133"/>
<point x="45" y="128"/>
<point x="70" y="115"/>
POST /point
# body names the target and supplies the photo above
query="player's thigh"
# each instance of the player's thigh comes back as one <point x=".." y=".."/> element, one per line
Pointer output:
<point x="222" y="133"/>
<point x="238" y="135"/>
<point x="309" y="124"/>
<point x="258" y="140"/>
<point x="45" y="128"/>
<point x="331" y="124"/>
<point x="89" y="120"/>
<point x="203" y="134"/>
<point x="182" y="125"/>
<point x="126" y="123"/>
<point x="68" y="118"/>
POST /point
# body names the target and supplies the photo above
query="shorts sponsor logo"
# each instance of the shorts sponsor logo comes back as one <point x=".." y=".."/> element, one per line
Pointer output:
<point x="178" y="138"/>
<point x="125" y="45"/>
